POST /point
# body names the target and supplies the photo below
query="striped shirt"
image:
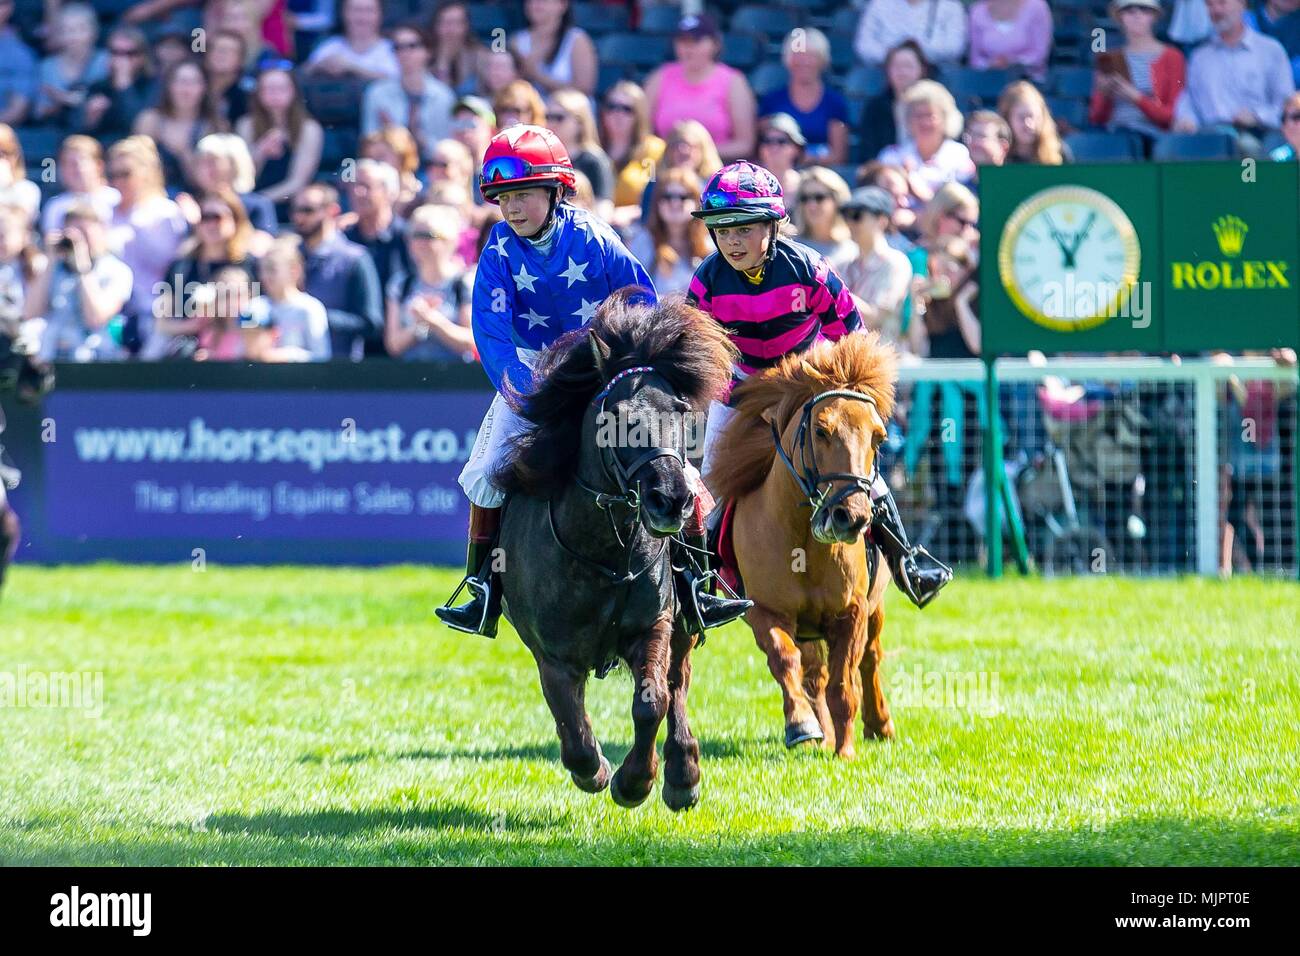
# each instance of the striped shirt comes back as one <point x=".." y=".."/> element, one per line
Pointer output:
<point x="799" y="302"/>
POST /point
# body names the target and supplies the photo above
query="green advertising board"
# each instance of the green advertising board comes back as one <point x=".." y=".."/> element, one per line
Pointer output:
<point x="1144" y="257"/>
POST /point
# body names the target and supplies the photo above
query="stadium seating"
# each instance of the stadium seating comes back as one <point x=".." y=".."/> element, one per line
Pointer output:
<point x="1070" y="114"/>
<point x="634" y="49"/>
<point x="658" y="17"/>
<point x="973" y="88"/>
<point x="1193" y="146"/>
<point x="335" y="102"/>
<point x="741" y="50"/>
<point x="767" y="77"/>
<point x="1072" y="81"/>
<point x="1103" y="147"/>
<point x="601" y="18"/>
<point x="770" y="22"/>
<point x="864" y="81"/>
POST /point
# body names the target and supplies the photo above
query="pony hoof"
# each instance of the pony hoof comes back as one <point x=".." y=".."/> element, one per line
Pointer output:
<point x="803" y="732"/>
<point x="885" y="732"/>
<point x="598" y="782"/>
<point x="624" y="801"/>
<point x="680" y="798"/>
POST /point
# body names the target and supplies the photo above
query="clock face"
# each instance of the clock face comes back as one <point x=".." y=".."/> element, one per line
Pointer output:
<point x="1069" y="257"/>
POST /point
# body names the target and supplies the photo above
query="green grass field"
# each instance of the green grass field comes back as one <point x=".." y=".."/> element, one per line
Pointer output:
<point x="308" y="716"/>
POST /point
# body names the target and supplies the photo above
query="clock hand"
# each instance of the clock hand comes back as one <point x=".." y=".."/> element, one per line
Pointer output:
<point x="1060" y="241"/>
<point x="1082" y="234"/>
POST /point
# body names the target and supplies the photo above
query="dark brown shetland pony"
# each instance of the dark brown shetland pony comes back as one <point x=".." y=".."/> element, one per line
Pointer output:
<point x="818" y="603"/>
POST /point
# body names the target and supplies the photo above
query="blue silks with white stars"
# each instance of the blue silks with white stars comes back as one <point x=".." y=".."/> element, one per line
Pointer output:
<point x="524" y="302"/>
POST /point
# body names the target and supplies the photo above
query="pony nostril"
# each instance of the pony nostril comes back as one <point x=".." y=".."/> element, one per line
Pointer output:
<point x="840" y="517"/>
<point x="658" y="502"/>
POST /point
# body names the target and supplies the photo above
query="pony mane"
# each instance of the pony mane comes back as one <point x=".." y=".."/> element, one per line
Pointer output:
<point x="681" y="343"/>
<point x="745" y="452"/>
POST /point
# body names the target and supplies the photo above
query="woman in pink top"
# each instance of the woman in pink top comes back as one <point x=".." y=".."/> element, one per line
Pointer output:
<point x="696" y="86"/>
<point x="1007" y="33"/>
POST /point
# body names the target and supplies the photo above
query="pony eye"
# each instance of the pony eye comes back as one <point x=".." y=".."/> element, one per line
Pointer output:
<point x="823" y="433"/>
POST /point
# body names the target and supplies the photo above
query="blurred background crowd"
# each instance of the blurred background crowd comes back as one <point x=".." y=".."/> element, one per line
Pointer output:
<point x="294" y="180"/>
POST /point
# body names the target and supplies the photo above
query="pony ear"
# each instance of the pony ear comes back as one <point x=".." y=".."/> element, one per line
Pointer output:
<point x="599" y="351"/>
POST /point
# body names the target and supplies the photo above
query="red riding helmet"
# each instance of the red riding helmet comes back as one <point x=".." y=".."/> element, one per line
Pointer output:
<point x="522" y="156"/>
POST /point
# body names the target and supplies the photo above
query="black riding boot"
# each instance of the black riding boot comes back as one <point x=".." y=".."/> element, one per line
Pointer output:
<point x="918" y="573"/>
<point x="480" y="613"/>
<point x="9" y="531"/>
<point x="703" y="610"/>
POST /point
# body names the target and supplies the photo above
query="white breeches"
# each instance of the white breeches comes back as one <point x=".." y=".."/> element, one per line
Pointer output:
<point x="500" y="424"/>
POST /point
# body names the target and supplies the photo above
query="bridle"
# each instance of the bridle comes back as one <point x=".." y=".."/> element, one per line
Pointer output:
<point x="627" y="496"/>
<point x="811" y="478"/>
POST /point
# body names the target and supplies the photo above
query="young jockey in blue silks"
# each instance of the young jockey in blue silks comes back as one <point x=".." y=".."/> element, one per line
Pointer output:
<point x="544" y="271"/>
<point x="777" y="297"/>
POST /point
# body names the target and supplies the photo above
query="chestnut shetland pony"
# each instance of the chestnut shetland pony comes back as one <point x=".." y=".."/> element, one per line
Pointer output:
<point x="818" y="601"/>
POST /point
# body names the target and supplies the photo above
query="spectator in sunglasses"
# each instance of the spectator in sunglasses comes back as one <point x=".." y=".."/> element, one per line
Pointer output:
<point x="113" y="103"/>
<point x="361" y="52"/>
<point x="415" y="99"/>
<point x="1289" y="150"/>
<point x="428" y="305"/>
<point x="954" y="211"/>
<point x="816" y="215"/>
<point x="781" y="146"/>
<point x="340" y="273"/>
<point x="880" y="277"/>
<point x="821" y="113"/>
<point x="632" y="149"/>
<point x="285" y="140"/>
<point x="569" y="116"/>
<point x="672" y="243"/>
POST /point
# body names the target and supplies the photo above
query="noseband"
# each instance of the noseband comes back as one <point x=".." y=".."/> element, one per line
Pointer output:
<point x="811" y="478"/>
<point x="628" y="494"/>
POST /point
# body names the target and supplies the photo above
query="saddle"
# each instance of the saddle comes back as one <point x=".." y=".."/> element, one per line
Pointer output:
<point x="718" y="539"/>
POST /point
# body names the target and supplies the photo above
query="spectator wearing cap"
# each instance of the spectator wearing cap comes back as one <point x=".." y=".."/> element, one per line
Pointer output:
<point x="988" y="137"/>
<point x="454" y="51"/>
<point x="415" y="99"/>
<point x="938" y="26"/>
<point x="883" y="123"/>
<point x="821" y="112"/>
<point x="472" y="123"/>
<point x="373" y="194"/>
<point x="66" y="75"/>
<point x="816" y="214"/>
<point x="362" y="51"/>
<point x="1140" y="95"/>
<point x="632" y="149"/>
<point x="696" y="86"/>
<point x="285" y="140"/>
<point x="879" y="276"/>
<point x="1011" y="33"/>
<point x="1236" y="81"/>
<point x="932" y="157"/>
<point x="1289" y="150"/>
<point x="113" y="103"/>
<point x="18" y="86"/>
<point x="340" y="274"/>
<point x="552" y="52"/>
<point x="1280" y="19"/>
<point x="781" y="147"/>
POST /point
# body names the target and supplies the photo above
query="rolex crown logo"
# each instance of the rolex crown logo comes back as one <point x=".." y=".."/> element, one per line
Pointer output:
<point x="1230" y="231"/>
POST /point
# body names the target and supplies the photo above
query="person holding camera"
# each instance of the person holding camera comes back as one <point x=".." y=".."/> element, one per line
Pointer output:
<point x="82" y="293"/>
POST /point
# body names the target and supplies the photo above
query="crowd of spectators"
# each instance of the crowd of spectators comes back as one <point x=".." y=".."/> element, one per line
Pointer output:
<point x="152" y="153"/>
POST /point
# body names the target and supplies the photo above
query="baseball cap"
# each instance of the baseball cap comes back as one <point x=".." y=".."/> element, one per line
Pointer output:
<point x="787" y="124"/>
<point x="697" y="25"/>
<point x="871" y="199"/>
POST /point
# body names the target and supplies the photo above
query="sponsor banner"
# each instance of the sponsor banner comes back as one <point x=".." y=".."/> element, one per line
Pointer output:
<point x="258" y="466"/>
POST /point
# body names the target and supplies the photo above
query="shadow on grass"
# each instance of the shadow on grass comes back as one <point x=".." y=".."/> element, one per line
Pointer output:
<point x="752" y="748"/>
<point x="320" y="823"/>
<point x="458" y="835"/>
